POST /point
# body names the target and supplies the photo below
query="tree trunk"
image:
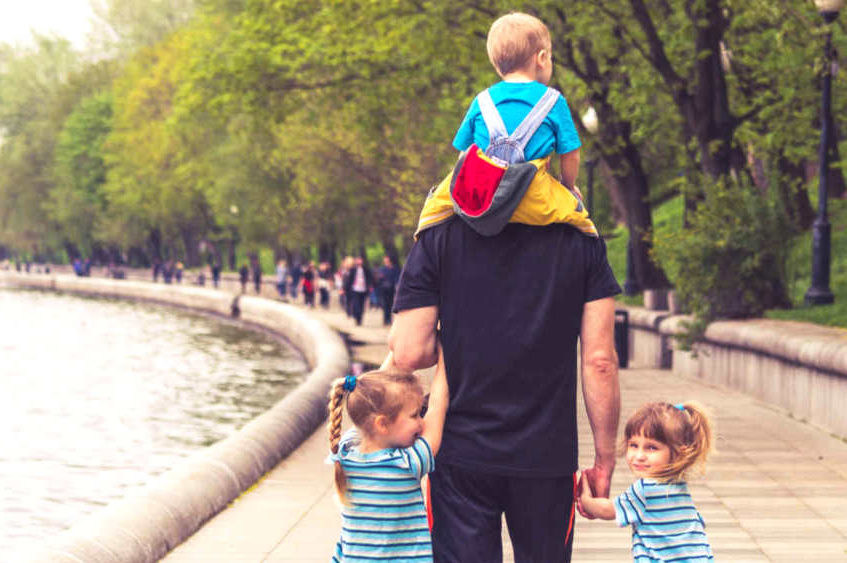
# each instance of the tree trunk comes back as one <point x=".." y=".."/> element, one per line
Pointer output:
<point x="281" y="253"/>
<point x="327" y="253"/>
<point x="390" y="249"/>
<point x="624" y="161"/>
<point x="705" y="107"/>
<point x="192" y="256"/>
<point x="154" y="241"/>
<point x="231" y="253"/>
<point x="633" y="190"/>
<point x="618" y="204"/>
<point x="71" y="250"/>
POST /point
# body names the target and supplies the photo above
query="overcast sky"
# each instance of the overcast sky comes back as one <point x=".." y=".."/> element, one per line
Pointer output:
<point x="68" y="18"/>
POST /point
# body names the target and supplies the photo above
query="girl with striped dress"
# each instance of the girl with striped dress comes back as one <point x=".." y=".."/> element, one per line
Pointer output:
<point x="662" y="444"/>
<point x="380" y="462"/>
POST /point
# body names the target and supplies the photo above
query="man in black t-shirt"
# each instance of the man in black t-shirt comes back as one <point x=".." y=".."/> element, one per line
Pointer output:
<point x="511" y="308"/>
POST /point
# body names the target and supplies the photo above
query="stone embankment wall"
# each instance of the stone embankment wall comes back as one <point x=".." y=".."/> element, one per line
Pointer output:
<point x="145" y="527"/>
<point x="800" y="367"/>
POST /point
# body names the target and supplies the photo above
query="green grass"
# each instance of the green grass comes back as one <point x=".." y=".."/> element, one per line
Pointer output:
<point x="668" y="216"/>
<point x="800" y="274"/>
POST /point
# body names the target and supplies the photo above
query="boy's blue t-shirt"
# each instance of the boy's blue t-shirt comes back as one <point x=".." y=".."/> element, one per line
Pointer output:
<point x="514" y="100"/>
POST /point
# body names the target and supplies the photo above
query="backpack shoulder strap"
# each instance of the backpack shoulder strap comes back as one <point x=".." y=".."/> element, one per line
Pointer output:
<point x="493" y="121"/>
<point x="530" y="124"/>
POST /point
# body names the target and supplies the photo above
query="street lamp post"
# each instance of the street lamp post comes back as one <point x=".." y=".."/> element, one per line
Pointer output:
<point x="819" y="293"/>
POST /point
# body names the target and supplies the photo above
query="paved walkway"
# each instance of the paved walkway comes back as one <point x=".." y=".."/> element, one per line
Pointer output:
<point x="776" y="491"/>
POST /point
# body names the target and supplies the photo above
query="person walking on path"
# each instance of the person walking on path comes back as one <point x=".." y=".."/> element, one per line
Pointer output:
<point x="216" y="273"/>
<point x="296" y="274"/>
<point x="358" y="283"/>
<point x="256" y="268"/>
<point x="662" y="444"/>
<point x="344" y="297"/>
<point x="387" y="277"/>
<point x="281" y="279"/>
<point x="244" y="277"/>
<point x="168" y="271"/>
<point x="510" y="308"/>
<point x="324" y="283"/>
<point x="379" y="463"/>
<point x="309" y="285"/>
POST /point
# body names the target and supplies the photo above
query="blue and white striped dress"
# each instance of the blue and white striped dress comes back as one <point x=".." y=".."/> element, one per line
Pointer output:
<point x="665" y="524"/>
<point x="385" y="519"/>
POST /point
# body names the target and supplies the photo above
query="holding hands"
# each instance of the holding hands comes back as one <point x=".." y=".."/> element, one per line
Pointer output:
<point x="593" y="490"/>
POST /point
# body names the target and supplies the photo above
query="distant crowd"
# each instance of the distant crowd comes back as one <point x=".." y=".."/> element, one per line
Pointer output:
<point x="356" y="285"/>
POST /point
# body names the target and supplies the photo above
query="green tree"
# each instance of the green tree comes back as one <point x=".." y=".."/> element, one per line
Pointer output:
<point x="34" y="102"/>
<point x="76" y="201"/>
<point x="154" y="199"/>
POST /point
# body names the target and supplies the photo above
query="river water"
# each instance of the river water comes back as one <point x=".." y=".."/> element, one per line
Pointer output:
<point x="98" y="396"/>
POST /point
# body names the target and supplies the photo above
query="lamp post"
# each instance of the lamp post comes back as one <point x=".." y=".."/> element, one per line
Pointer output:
<point x="819" y="292"/>
<point x="592" y="125"/>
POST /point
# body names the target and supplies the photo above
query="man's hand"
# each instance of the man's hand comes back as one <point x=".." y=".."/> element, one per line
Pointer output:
<point x="594" y="482"/>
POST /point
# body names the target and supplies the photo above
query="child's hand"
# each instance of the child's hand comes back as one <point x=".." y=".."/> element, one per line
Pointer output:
<point x="589" y="505"/>
<point x="578" y="193"/>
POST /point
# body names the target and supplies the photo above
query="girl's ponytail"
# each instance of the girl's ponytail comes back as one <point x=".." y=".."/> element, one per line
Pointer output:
<point x="702" y="440"/>
<point x="336" y="408"/>
<point x="685" y="428"/>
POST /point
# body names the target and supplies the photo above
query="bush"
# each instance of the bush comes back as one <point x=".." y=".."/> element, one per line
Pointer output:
<point x="731" y="260"/>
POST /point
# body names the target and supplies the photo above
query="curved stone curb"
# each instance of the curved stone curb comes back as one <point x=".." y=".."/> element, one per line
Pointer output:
<point x="145" y="527"/>
<point x="819" y="347"/>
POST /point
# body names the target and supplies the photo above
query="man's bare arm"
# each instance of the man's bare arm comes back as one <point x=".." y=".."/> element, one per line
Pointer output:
<point x="600" y="389"/>
<point x="412" y="339"/>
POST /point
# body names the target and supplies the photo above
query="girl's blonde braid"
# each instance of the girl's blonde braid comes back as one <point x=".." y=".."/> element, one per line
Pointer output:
<point x="336" y="408"/>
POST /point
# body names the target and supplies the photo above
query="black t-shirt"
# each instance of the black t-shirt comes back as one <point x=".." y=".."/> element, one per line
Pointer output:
<point x="510" y="308"/>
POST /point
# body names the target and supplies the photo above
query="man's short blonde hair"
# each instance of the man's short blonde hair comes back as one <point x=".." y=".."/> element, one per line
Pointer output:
<point x="513" y="39"/>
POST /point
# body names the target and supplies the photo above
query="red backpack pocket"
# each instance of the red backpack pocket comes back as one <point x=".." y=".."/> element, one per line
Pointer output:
<point x="475" y="182"/>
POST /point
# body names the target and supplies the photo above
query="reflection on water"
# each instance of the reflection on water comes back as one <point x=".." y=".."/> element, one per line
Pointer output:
<point x="98" y="396"/>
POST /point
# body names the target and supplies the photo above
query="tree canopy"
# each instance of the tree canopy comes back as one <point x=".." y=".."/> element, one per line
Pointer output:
<point x="321" y="125"/>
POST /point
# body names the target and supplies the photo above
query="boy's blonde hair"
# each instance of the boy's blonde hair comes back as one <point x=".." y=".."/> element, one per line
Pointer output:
<point x="687" y="432"/>
<point x="513" y="39"/>
<point x="374" y="393"/>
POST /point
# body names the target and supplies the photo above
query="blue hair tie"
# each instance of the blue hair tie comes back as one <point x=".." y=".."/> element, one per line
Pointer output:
<point x="349" y="382"/>
<point x="679" y="406"/>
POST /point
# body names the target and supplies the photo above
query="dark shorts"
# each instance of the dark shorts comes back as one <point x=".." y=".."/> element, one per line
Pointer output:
<point x="467" y="510"/>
